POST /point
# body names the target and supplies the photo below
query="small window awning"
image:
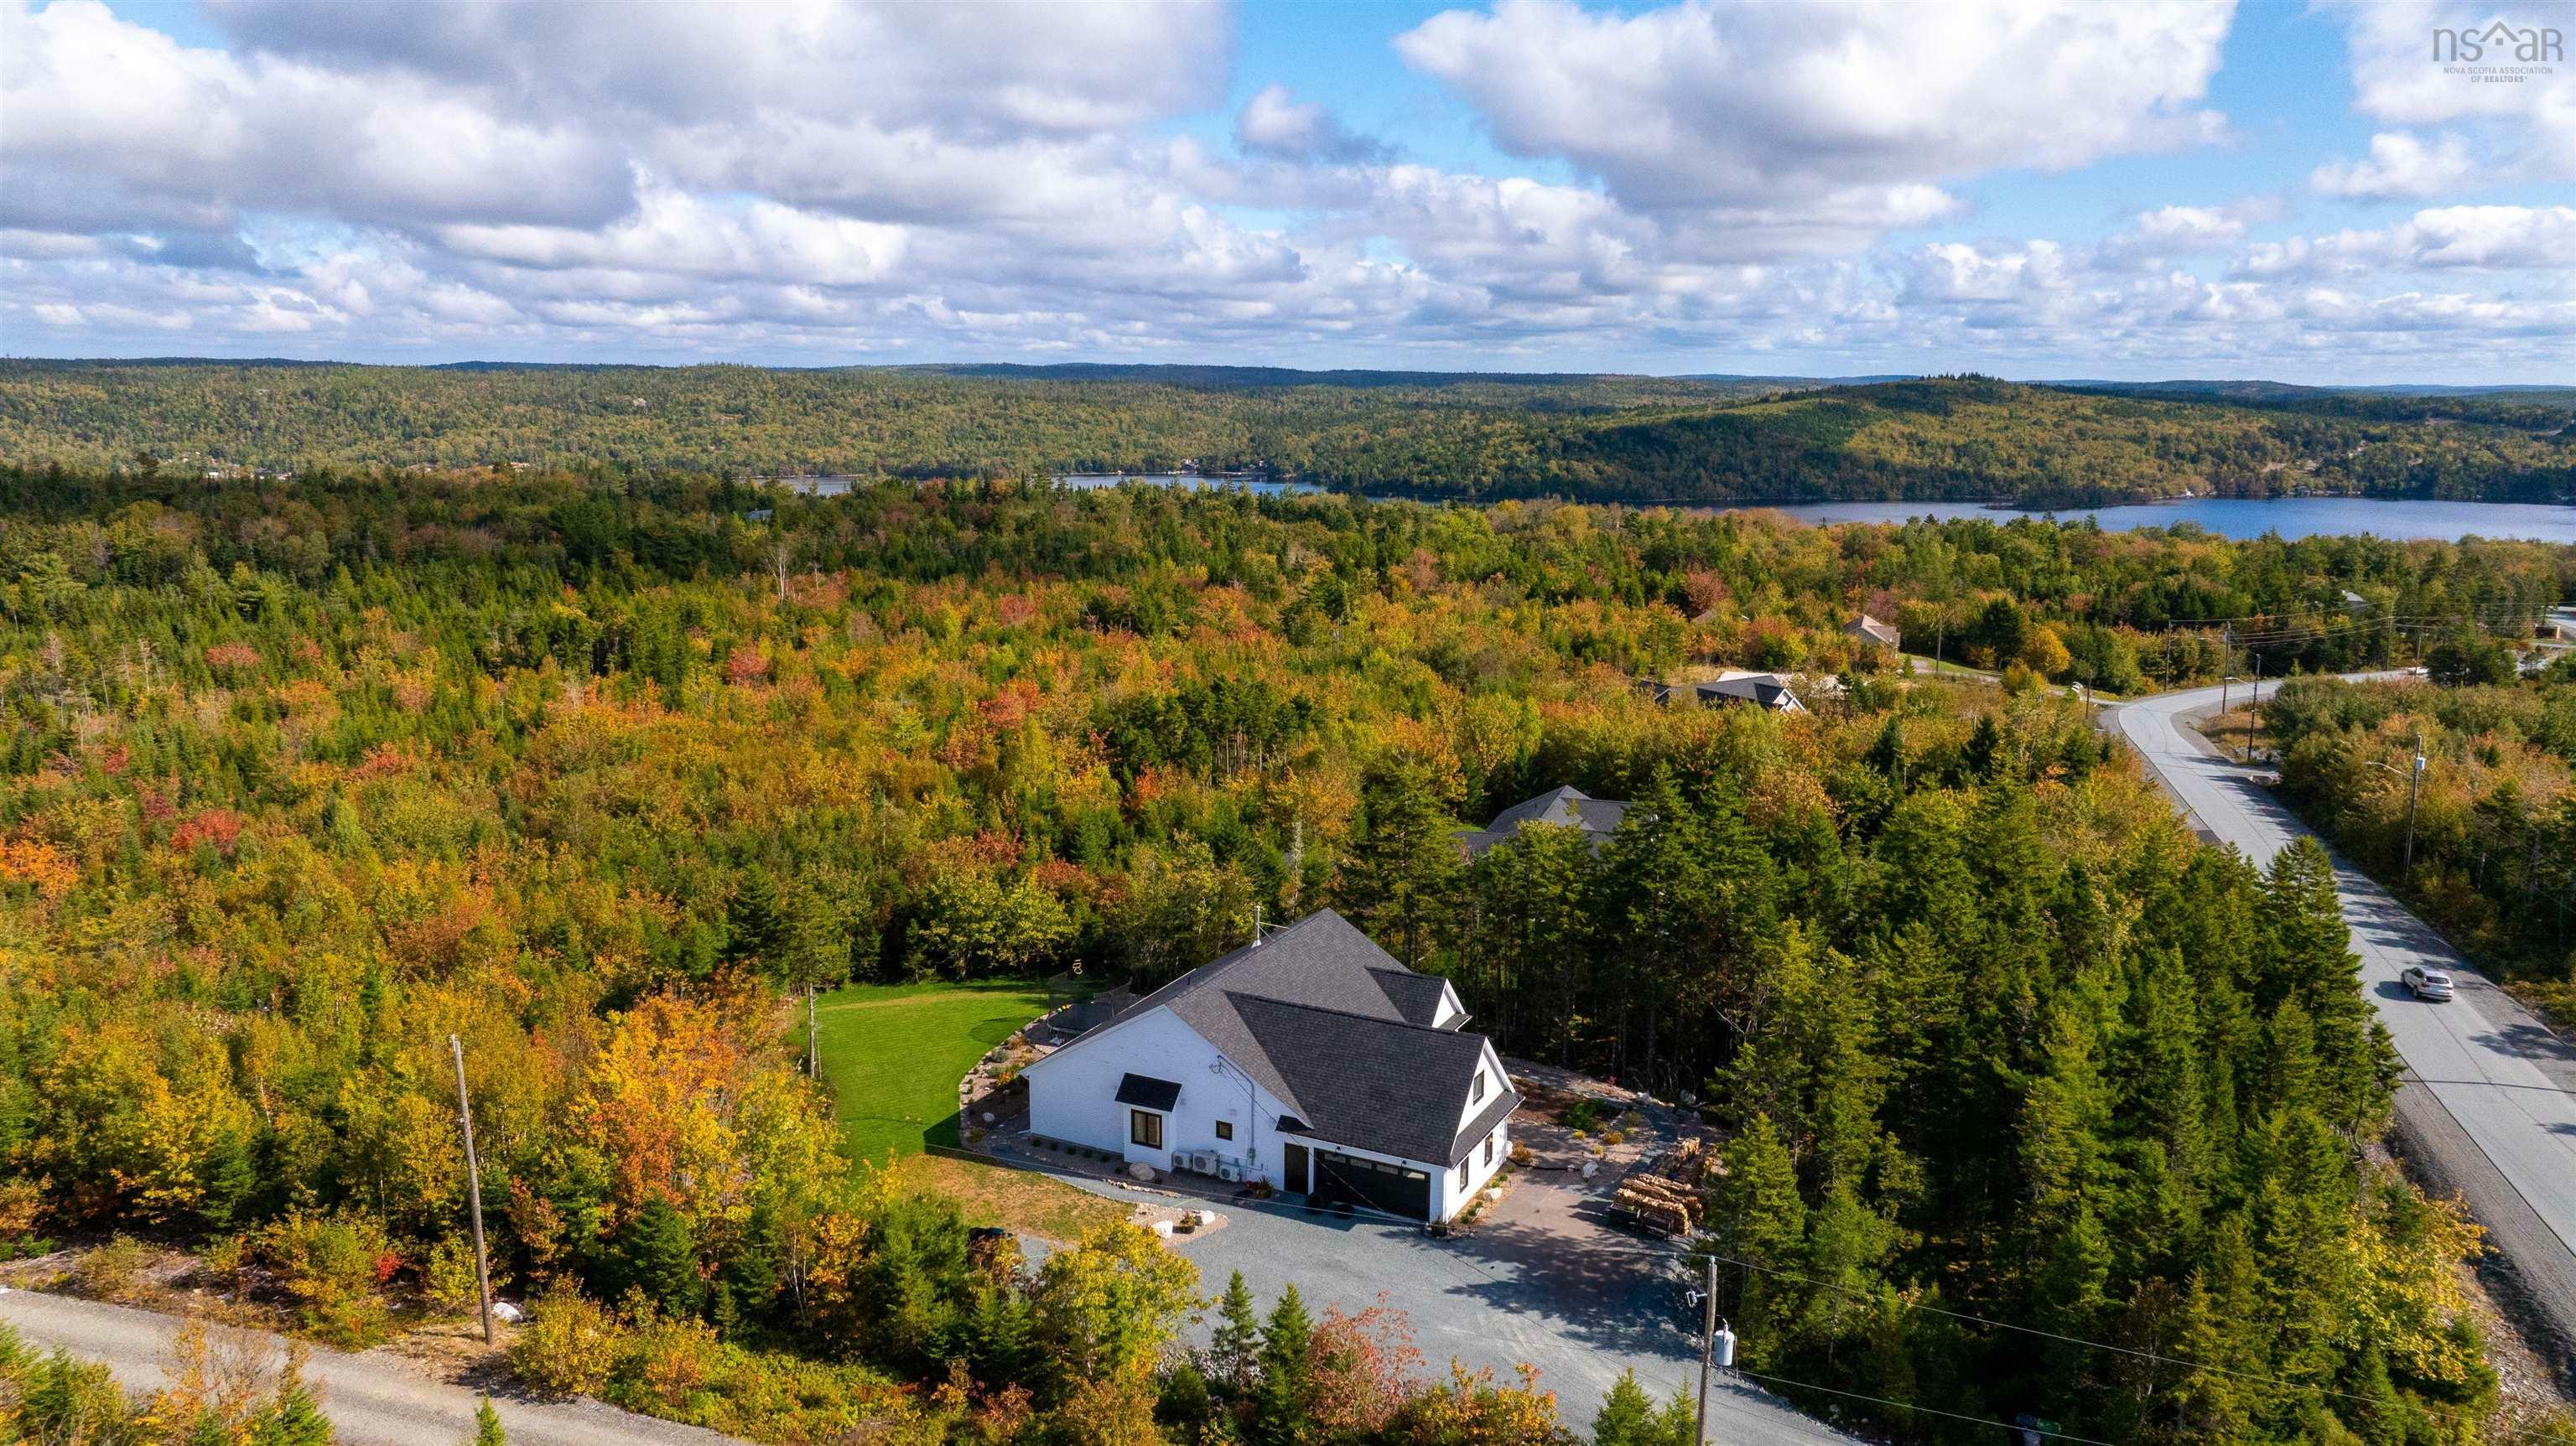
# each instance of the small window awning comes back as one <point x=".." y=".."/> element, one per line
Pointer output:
<point x="1147" y="1093"/>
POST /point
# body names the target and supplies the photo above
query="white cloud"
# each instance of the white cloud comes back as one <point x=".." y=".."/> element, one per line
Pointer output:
<point x="2528" y="126"/>
<point x="2485" y="238"/>
<point x="2401" y="167"/>
<point x="812" y="181"/>
<point x="1275" y="123"/>
<point x="97" y="105"/>
<point x="1702" y="104"/>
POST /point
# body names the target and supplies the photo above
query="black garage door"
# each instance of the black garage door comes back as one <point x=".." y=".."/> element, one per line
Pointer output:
<point x="1395" y="1189"/>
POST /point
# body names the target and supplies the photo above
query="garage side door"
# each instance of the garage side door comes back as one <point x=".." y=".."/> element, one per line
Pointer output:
<point x="1395" y="1189"/>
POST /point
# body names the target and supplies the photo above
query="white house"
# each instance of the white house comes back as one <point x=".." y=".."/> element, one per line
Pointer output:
<point x="1311" y="1059"/>
<point x="1763" y="690"/>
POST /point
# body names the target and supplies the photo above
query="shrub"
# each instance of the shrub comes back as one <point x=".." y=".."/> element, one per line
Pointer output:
<point x="567" y="1346"/>
<point x="57" y="1398"/>
<point x="221" y="1263"/>
<point x="113" y="1271"/>
<point x="447" y="1277"/>
<point x="332" y="1265"/>
<point x="22" y="1204"/>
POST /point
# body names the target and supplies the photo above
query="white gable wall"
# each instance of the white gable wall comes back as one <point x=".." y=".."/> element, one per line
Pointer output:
<point x="1495" y="1083"/>
<point x="1073" y="1095"/>
<point x="1448" y="1197"/>
<point x="1073" y="1098"/>
<point x="1449" y="1013"/>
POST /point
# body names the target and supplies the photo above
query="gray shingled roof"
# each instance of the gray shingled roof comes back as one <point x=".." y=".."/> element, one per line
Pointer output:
<point x="1147" y="1091"/>
<point x="1340" y="1033"/>
<point x="1767" y="690"/>
<point x="1565" y="807"/>
<point x="1416" y="997"/>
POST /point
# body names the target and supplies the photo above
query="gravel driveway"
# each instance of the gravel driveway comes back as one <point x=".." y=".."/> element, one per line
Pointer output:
<point x="1544" y="1279"/>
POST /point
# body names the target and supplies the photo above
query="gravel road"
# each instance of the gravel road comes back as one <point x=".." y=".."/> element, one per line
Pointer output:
<point x="376" y="1399"/>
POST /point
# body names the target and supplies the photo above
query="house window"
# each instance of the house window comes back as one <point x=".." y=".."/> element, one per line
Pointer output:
<point x="1225" y="1129"/>
<point x="1462" y="1174"/>
<point x="1478" y="1093"/>
<point x="1144" y="1127"/>
<point x="1489" y="1149"/>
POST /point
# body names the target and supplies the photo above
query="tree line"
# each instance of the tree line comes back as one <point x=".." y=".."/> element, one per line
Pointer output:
<point x="1674" y="440"/>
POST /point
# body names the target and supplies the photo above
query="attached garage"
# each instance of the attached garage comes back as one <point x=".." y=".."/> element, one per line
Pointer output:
<point x="1377" y="1184"/>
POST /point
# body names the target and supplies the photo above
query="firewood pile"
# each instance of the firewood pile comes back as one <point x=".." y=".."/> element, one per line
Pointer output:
<point x="1664" y="1193"/>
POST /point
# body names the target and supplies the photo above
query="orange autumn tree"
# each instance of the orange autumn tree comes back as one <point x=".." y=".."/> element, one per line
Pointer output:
<point x="684" y="1108"/>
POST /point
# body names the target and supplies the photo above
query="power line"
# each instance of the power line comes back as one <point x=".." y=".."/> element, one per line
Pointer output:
<point x="2156" y="1356"/>
<point x="1926" y="1410"/>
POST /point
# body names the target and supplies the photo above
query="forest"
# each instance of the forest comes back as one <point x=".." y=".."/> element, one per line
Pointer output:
<point x="1426" y="435"/>
<point x="2486" y="849"/>
<point x="595" y="770"/>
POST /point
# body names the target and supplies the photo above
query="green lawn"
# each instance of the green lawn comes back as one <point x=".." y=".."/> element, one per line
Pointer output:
<point x="893" y="1054"/>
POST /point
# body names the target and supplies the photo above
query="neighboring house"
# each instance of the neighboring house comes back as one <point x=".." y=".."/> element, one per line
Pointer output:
<point x="1868" y="629"/>
<point x="2354" y="602"/>
<point x="1312" y="1060"/>
<point x="1566" y="807"/>
<point x="1762" y="690"/>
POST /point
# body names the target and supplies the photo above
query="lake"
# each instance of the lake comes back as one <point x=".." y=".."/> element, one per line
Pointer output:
<point x="2241" y="517"/>
<point x="2238" y="517"/>
<point x="1263" y="486"/>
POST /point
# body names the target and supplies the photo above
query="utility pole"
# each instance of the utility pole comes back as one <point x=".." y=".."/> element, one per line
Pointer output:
<point x="473" y="1191"/>
<point x="2226" y="661"/>
<point x="2414" y="788"/>
<point x="2253" y="703"/>
<point x="1707" y="1347"/>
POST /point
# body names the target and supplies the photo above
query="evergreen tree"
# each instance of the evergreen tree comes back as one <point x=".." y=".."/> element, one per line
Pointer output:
<point x="1234" y="1347"/>
<point x="291" y="1418"/>
<point x="1001" y="1338"/>
<point x="1627" y="1415"/>
<point x="656" y="1253"/>
<point x="1757" y="1216"/>
<point x="1283" y="1407"/>
<point x="747" y="1282"/>
<point x="1983" y="756"/>
<point x="487" y="1426"/>
<point x="755" y="925"/>
<point x="2313" y="964"/>
<point x="1396" y="881"/>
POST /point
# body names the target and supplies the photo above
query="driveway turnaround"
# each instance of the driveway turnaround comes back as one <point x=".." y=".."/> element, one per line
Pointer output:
<point x="2488" y="1102"/>
<point x="1545" y="1280"/>
<point x="372" y="1399"/>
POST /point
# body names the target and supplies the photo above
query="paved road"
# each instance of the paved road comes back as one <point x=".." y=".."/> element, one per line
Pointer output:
<point x="2488" y="1103"/>
<point x="372" y="1399"/>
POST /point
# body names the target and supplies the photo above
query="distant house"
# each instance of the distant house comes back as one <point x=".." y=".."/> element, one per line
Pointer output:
<point x="1564" y="807"/>
<point x="1311" y="1060"/>
<point x="2354" y="602"/>
<point x="1762" y="690"/>
<point x="1868" y="629"/>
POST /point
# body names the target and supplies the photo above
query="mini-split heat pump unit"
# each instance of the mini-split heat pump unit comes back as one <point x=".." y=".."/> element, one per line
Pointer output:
<point x="1229" y="1171"/>
<point x="1203" y="1161"/>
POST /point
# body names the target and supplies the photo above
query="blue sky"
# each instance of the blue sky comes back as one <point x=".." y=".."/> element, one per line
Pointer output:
<point x="2028" y="187"/>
